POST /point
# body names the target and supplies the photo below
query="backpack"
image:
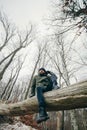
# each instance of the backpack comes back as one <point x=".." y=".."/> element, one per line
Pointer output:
<point x="53" y="78"/>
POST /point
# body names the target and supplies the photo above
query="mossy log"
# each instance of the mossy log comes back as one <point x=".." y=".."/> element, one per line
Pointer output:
<point x="72" y="97"/>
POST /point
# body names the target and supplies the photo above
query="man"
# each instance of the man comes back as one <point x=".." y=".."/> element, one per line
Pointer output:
<point x="41" y="83"/>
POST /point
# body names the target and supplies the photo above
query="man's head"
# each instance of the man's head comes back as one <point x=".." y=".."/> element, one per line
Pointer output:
<point x="42" y="71"/>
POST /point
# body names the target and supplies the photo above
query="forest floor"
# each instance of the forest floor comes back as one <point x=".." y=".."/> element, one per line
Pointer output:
<point x="18" y="123"/>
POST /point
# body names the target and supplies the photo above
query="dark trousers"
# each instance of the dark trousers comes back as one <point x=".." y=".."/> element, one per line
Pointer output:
<point x="40" y="97"/>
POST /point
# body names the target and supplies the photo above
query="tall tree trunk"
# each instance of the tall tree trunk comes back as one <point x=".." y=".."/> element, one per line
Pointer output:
<point x="73" y="121"/>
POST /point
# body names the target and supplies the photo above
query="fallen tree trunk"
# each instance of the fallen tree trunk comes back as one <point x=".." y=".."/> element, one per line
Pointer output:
<point x="66" y="98"/>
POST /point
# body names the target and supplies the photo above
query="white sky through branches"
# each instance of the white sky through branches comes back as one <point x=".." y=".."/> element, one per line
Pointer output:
<point x="23" y="12"/>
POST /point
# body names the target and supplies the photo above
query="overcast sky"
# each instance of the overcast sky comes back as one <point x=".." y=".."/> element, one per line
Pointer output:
<point x="21" y="12"/>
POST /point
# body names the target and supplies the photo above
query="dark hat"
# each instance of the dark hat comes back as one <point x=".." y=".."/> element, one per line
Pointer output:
<point x="42" y="69"/>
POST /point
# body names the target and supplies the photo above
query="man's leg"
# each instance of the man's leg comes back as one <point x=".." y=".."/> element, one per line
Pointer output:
<point x="40" y="97"/>
<point x="42" y="105"/>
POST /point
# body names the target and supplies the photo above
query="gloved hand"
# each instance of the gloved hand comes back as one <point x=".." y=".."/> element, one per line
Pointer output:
<point x="31" y="95"/>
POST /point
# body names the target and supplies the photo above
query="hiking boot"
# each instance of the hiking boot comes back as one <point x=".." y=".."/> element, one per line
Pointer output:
<point x="43" y="116"/>
<point x="41" y="119"/>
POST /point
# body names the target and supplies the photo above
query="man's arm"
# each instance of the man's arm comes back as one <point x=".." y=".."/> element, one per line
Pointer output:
<point x="33" y="86"/>
<point x="50" y="83"/>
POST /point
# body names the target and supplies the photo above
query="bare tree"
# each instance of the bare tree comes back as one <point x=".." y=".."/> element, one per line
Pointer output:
<point x="12" y="41"/>
<point x="8" y="31"/>
<point x="69" y="16"/>
<point x="61" y="56"/>
<point x="12" y="80"/>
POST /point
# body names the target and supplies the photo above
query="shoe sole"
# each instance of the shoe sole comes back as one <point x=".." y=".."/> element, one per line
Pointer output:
<point x="46" y="118"/>
<point x="43" y="119"/>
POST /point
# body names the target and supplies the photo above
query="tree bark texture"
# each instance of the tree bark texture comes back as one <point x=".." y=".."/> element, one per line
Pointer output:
<point x="72" y="97"/>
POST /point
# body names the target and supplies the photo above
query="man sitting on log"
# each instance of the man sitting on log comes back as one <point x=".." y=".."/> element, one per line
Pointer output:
<point x="41" y="83"/>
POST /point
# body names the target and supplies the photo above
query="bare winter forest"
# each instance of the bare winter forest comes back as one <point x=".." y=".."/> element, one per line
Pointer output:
<point x="59" y="45"/>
